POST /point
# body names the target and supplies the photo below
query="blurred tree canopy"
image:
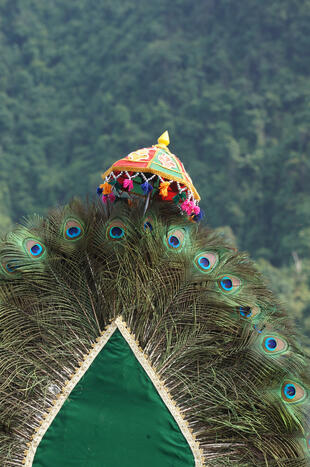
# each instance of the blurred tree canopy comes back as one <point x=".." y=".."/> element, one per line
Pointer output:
<point x="83" y="82"/>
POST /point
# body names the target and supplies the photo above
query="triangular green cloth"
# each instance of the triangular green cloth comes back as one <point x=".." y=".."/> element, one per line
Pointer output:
<point x="114" y="417"/>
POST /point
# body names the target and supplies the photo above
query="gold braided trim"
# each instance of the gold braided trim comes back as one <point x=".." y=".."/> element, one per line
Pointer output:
<point x="70" y="385"/>
<point x="85" y="364"/>
<point x="162" y="391"/>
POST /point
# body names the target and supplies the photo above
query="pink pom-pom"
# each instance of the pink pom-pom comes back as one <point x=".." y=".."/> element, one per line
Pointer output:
<point x="184" y="205"/>
<point x="128" y="183"/>
<point x="110" y="197"/>
<point x="189" y="207"/>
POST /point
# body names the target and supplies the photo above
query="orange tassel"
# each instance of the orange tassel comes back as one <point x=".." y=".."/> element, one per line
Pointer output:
<point x="106" y="188"/>
<point x="163" y="189"/>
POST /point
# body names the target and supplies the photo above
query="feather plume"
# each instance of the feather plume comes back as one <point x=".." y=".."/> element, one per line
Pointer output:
<point x="210" y="357"/>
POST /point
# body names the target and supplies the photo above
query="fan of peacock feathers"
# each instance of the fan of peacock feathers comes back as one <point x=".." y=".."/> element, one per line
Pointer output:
<point x="132" y="336"/>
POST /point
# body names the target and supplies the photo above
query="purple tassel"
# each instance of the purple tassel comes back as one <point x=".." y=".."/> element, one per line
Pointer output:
<point x="146" y="187"/>
<point x="199" y="216"/>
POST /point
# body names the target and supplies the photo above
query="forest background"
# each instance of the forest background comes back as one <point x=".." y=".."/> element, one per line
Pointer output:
<point x="83" y="82"/>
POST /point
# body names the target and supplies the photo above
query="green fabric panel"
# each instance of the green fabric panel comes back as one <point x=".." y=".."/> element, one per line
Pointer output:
<point x="168" y="166"/>
<point x="114" y="417"/>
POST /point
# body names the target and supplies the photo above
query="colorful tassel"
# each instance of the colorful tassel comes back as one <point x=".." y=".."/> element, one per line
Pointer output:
<point x="190" y="208"/>
<point x="198" y="217"/>
<point x="187" y="206"/>
<point x="163" y="189"/>
<point x="99" y="190"/>
<point x="128" y="183"/>
<point x="176" y="198"/>
<point x="111" y="197"/>
<point x="179" y="197"/>
<point x="184" y="205"/>
<point x="106" y="188"/>
<point x="116" y="184"/>
<point x="146" y="187"/>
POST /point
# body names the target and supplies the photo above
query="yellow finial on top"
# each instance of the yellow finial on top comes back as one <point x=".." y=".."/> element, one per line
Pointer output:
<point x="164" y="139"/>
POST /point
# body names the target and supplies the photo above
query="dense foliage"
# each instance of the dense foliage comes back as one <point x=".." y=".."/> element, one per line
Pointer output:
<point x="85" y="81"/>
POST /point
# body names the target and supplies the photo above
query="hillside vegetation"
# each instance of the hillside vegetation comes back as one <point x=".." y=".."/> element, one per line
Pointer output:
<point x="83" y="82"/>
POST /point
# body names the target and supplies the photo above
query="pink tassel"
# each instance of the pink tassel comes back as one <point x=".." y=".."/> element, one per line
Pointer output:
<point x="185" y="206"/>
<point x="189" y="207"/>
<point x="128" y="183"/>
<point x="110" y="197"/>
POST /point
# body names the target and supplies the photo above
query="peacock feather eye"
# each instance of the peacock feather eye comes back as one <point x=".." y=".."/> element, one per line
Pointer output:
<point x="248" y="312"/>
<point x="73" y="230"/>
<point x="245" y="311"/>
<point x="229" y="284"/>
<point x="9" y="266"/>
<point x="292" y="392"/>
<point x="274" y="344"/>
<point x="148" y="224"/>
<point x="206" y="261"/>
<point x="35" y="248"/>
<point x="175" y="239"/>
<point x="116" y="230"/>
